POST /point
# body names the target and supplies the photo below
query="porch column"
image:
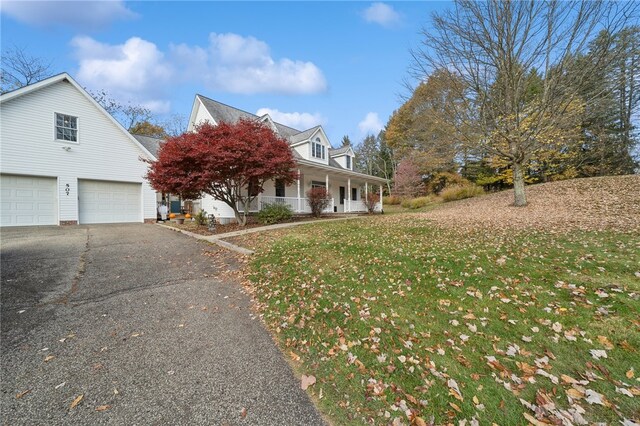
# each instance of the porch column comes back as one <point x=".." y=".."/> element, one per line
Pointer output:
<point x="298" y="182"/>
<point x="349" y="194"/>
<point x="259" y="201"/>
<point x="366" y="191"/>
<point x="381" y="209"/>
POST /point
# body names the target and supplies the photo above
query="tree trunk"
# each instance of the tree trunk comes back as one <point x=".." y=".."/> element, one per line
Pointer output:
<point x="518" y="185"/>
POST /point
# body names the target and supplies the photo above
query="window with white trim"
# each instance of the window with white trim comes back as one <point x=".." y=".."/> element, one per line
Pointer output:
<point x="66" y="128"/>
<point x="349" y="162"/>
<point x="318" y="150"/>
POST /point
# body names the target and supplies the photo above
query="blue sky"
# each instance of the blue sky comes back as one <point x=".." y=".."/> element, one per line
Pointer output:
<point x="339" y="64"/>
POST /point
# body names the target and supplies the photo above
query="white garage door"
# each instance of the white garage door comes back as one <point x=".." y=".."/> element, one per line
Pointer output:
<point x="28" y="200"/>
<point x="109" y="202"/>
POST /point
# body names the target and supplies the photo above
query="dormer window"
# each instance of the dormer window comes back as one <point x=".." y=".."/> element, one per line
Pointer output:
<point x="318" y="150"/>
<point x="349" y="162"/>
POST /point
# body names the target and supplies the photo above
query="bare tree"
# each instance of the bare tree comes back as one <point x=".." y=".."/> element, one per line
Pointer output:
<point x="494" y="46"/>
<point x="128" y="115"/>
<point x="19" y="69"/>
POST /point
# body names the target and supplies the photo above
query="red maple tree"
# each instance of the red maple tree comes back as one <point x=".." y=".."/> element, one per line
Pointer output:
<point x="230" y="161"/>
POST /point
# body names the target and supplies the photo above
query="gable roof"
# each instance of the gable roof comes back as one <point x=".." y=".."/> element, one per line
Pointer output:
<point x="64" y="77"/>
<point x="339" y="151"/>
<point x="150" y="143"/>
<point x="223" y="112"/>
<point x="303" y="136"/>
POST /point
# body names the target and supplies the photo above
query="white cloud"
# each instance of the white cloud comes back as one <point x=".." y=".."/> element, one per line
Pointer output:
<point x="297" y="120"/>
<point x="381" y="13"/>
<point x="371" y="124"/>
<point x="238" y="64"/>
<point x="134" y="71"/>
<point x="83" y="15"/>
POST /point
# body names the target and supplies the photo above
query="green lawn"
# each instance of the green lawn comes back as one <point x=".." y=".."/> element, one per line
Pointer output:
<point x="399" y="319"/>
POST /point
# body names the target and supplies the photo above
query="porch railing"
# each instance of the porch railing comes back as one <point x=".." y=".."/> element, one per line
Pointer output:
<point x="358" y="206"/>
<point x="297" y="205"/>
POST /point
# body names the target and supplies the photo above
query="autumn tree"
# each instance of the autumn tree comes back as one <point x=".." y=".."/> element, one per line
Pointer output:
<point x="426" y="127"/>
<point x="408" y="180"/>
<point x="19" y="69"/>
<point x="146" y="128"/>
<point x="230" y="162"/>
<point x="493" y="46"/>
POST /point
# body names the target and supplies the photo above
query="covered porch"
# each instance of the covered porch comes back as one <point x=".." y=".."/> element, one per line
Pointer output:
<point x="348" y="190"/>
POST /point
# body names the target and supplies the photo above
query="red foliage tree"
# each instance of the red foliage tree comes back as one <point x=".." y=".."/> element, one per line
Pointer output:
<point x="408" y="181"/>
<point x="318" y="200"/>
<point x="230" y="162"/>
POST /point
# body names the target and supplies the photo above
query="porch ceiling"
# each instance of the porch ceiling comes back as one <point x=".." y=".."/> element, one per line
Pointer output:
<point x="332" y="171"/>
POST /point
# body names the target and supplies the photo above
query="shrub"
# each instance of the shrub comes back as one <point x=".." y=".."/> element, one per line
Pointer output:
<point x="274" y="213"/>
<point x="416" y="203"/>
<point x="391" y="200"/>
<point x="370" y="201"/>
<point x="440" y="181"/>
<point x="461" y="192"/>
<point x="201" y="218"/>
<point x="318" y="200"/>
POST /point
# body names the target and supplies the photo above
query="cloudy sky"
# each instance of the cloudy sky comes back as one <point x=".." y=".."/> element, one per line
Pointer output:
<point x="339" y="64"/>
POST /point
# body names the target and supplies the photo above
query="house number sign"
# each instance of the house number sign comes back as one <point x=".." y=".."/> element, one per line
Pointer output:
<point x="67" y="189"/>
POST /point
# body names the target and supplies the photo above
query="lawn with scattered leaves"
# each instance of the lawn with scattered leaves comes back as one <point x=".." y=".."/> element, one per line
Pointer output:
<point x="403" y="321"/>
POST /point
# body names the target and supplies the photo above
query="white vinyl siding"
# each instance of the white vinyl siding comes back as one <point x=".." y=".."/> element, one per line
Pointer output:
<point x="28" y="200"/>
<point x="105" y="152"/>
<point x="109" y="202"/>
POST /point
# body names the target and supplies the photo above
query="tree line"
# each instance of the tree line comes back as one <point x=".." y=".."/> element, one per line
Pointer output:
<point x="515" y="92"/>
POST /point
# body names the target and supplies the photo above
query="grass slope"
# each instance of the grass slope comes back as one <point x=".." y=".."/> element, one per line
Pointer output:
<point x="407" y="319"/>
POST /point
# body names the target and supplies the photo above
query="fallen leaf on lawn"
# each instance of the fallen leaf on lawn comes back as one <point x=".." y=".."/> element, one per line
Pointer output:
<point x="575" y="393"/>
<point x="294" y="356"/>
<point x="629" y="374"/>
<point x="568" y="379"/>
<point x="454" y="390"/>
<point x="598" y="353"/>
<point x="307" y="381"/>
<point x="605" y="342"/>
<point x="557" y="327"/>
<point x="76" y="401"/>
<point x="594" y="397"/>
<point x="102" y="407"/>
<point x="23" y="393"/>
<point x="455" y="407"/>
<point x="624" y="392"/>
<point x="533" y="420"/>
<point x="418" y="421"/>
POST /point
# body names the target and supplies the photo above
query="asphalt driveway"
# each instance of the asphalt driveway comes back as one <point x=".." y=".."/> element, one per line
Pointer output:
<point x="144" y="323"/>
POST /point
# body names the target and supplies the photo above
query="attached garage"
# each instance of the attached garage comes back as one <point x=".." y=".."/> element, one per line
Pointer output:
<point x="28" y="200"/>
<point x="109" y="202"/>
<point x="66" y="161"/>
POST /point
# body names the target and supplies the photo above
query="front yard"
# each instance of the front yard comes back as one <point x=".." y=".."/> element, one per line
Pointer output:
<point x="402" y="321"/>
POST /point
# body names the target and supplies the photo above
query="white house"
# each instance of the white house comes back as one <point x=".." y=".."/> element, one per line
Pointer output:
<point x="319" y="165"/>
<point x="65" y="160"/>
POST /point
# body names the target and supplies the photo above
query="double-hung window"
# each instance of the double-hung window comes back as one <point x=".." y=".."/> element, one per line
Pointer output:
<point x="318" y="150"/>
<point x="66" y="128"/>
<point x="349" y="162"/>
